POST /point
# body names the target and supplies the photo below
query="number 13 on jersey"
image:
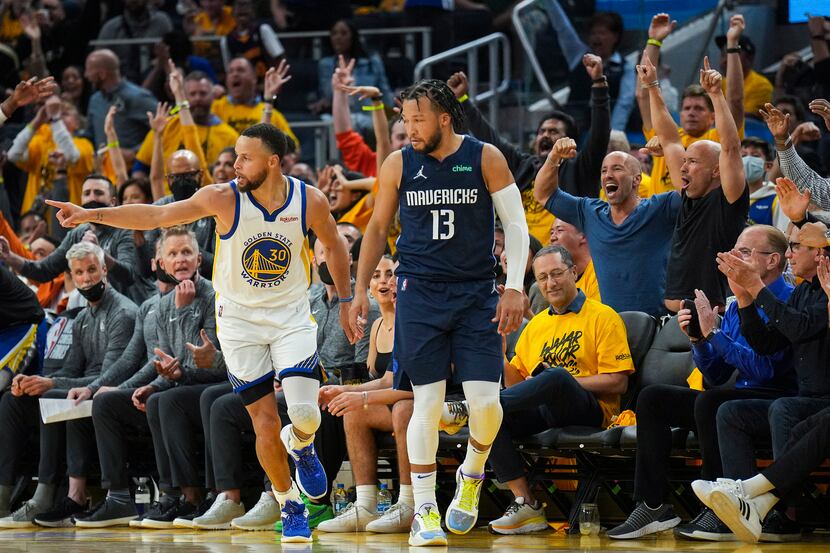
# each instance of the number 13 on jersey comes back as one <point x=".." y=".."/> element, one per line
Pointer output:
<point x="443" y="224"/>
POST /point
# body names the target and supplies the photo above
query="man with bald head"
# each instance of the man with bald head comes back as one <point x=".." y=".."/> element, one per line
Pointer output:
<point x="628" y="236"/>
<point x="712" y="182"/>
<point x="103" y="71"/>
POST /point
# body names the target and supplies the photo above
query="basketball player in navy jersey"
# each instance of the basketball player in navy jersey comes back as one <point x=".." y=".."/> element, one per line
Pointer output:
<point x="263" y="319"/>
<point x="448" y="310"/>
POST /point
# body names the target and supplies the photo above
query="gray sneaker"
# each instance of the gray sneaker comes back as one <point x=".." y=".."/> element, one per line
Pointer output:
<point x="24" y="517"/>
<point x="261" y="517"/>
<point x="644" y="521"/>
<point x="220" y="514"/>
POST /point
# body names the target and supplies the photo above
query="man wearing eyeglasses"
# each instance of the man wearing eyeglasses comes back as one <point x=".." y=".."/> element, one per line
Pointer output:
<point x="719" y="351"/>
<point x="571" y="365"/>
<point x="800" y="323"/>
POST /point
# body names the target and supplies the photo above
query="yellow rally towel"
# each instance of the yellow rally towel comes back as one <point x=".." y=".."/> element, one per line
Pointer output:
<point x="695" y="380"/>
<point x="626" y="418"/>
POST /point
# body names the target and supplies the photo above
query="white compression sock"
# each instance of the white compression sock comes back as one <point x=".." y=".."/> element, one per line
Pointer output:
<point x="301" y="397"/>
<point x="764" y="503"/>
<point x="292" y="494"/>
<point x="423" y="489"/>
<point x="757" y="485"/>
<point x="367" y="497"/>
<point x="405" y="495"/>
<point x="485" y="414"/>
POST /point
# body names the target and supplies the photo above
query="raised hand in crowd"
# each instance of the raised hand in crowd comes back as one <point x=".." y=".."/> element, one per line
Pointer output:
<point x="159" y="120"/>
<point x="167" y="366"/>
<point x="653" y="147"/>
<point x="777" y="122"/>
<point x="806" y="132"/>
<point x="707" y="315"/>
<point x="823" y="272"/>
<point x="794" y="203"/>
<point x="739" y="271"/>
<point x="205" y="354"/>
<point x="458" y="84"/>
<point x="564" y="148"/>
<point x="593" y="65"/>
<point x="362" y="92"/>
<point x="647" y="72"/>
<point x="711" y="79"/>
<point x="27" y="92"/>
<point x="114" y="148"/>
<point x="275" y="79"/>
<point x="661" y="26"/>
<point x="821" y="108"/>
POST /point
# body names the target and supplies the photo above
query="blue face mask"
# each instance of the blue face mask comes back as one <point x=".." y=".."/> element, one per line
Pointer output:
<point x="753" y="168"/>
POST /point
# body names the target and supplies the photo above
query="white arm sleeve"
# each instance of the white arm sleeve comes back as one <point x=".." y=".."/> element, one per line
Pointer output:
<point x="508" y="204"/>
<point x="64" y="142"/>
<point x="19" y="151"/>
<point x="270" y="41"/>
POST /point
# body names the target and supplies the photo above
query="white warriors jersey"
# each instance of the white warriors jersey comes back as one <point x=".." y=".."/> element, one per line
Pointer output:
<point x="263" y="260"/>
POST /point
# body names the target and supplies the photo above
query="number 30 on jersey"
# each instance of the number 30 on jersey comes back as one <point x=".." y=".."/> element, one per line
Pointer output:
<point x="443" y="224"/>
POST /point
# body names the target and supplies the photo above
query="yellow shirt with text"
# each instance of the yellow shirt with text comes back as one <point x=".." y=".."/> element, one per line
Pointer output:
<point x="586" y="342"/>
<point x="242" y="116"/>
<point x="207" y="27"/>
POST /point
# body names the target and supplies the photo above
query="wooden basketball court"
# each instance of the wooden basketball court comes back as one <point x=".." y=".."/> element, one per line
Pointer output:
<point x="69" y="540"/>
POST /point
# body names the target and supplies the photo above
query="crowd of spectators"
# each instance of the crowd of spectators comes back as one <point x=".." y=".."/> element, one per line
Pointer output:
<point x="723" y="230"/>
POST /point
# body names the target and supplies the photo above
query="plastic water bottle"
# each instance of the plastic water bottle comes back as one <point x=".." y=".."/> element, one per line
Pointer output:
<point x="341" y="500"/>
<point x="142" y="496"/>
<point x="384" y="499"/>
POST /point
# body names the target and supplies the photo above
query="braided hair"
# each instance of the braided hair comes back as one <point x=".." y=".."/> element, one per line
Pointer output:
<point x="442" y="99"/>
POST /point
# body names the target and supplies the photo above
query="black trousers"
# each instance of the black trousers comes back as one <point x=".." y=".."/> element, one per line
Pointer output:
<point x="661" y="407"/>
<point x="551" y="399"/>
<point x="206" y="401"/>
<point x="229" y="421"/>
<point x="19" y="416"/>
<point x="806" y="450"/>
<point x="72" y="441"/>
<point x="181" y="430"/>
<point x="115" y="418"/>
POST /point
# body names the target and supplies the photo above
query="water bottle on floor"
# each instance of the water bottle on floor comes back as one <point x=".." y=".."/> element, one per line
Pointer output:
<point x="142" y="496"/>
<point x="341" y="500"/>
<point x="384" y="499"/>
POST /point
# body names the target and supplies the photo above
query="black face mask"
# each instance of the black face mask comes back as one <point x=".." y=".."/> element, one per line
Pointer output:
<point x="325" y="275"/>
<point x="94" y="293"/>
<point x="499" y="271"/>
<point x="94" y="204"/>
<point x="165" y="277"/>
<point x="183" y="186"/>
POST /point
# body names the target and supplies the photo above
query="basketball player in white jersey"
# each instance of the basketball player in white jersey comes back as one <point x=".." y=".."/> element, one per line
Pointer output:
<point x="263" y="319"/>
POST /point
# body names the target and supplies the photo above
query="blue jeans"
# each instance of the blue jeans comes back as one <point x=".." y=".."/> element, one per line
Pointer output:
<point x="744" y="424"/>
<point x="550" y="400"/>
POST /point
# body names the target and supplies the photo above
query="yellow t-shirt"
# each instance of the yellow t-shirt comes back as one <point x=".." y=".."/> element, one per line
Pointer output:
<point x="660" y="179"/>
<point x="757" y="92"/>
<point x="539" y="219"/>
<point x="10" y="29"/>
<point x="206" y="26"/>
<point x="42" y="173"/>
<point x="242" y="116"/>
<point x="589" y="341"/>
<point x="213" y="138"/>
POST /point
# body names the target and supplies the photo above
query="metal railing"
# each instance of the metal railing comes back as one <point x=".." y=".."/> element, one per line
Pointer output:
<point x="496" y="85"/>
<point x="325" y="145"/>
<point x="527" y="45"/>
<point x="317" y="37"/>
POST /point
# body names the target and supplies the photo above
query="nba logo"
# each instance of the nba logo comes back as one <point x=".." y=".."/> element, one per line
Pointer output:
<point x="221" y="308"/>
<point x="403" y="285"/>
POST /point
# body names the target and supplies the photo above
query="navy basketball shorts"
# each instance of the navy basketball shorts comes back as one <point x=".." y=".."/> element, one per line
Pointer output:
<point x="443" y="331"/>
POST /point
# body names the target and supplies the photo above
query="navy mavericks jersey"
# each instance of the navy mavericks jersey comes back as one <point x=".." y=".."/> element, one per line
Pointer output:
<point x="446" y="213"/>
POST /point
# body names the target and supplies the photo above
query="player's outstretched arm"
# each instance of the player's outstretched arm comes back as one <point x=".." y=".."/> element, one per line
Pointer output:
<point x="507" y="201"/>
<point x="374" y="239"/>
<point x="208" y="201"/>
<point x="324" y="226"/>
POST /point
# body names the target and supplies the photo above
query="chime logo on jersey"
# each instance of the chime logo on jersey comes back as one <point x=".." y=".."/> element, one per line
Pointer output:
<point x="265" y="260"/>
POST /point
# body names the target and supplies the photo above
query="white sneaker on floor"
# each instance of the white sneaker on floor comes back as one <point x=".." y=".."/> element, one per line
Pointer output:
<point x="520" y="518"/>
<point x="262" y="516"/>
<point x="353" y="519"/>
<point x="24" y="517"/>
<point x="220" y="514"/>
<point x="703" y="488"/>
<point x="397" y="520"/>
<point x="738" y="513"/>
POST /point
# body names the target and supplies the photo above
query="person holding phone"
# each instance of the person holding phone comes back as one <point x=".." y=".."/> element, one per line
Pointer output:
<point x="719" y="350"/>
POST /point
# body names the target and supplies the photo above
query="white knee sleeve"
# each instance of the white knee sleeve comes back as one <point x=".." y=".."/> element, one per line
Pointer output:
<point x="484" y="409"/>
<point x="301" y="398"/>
<point x="422" y="434"/>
